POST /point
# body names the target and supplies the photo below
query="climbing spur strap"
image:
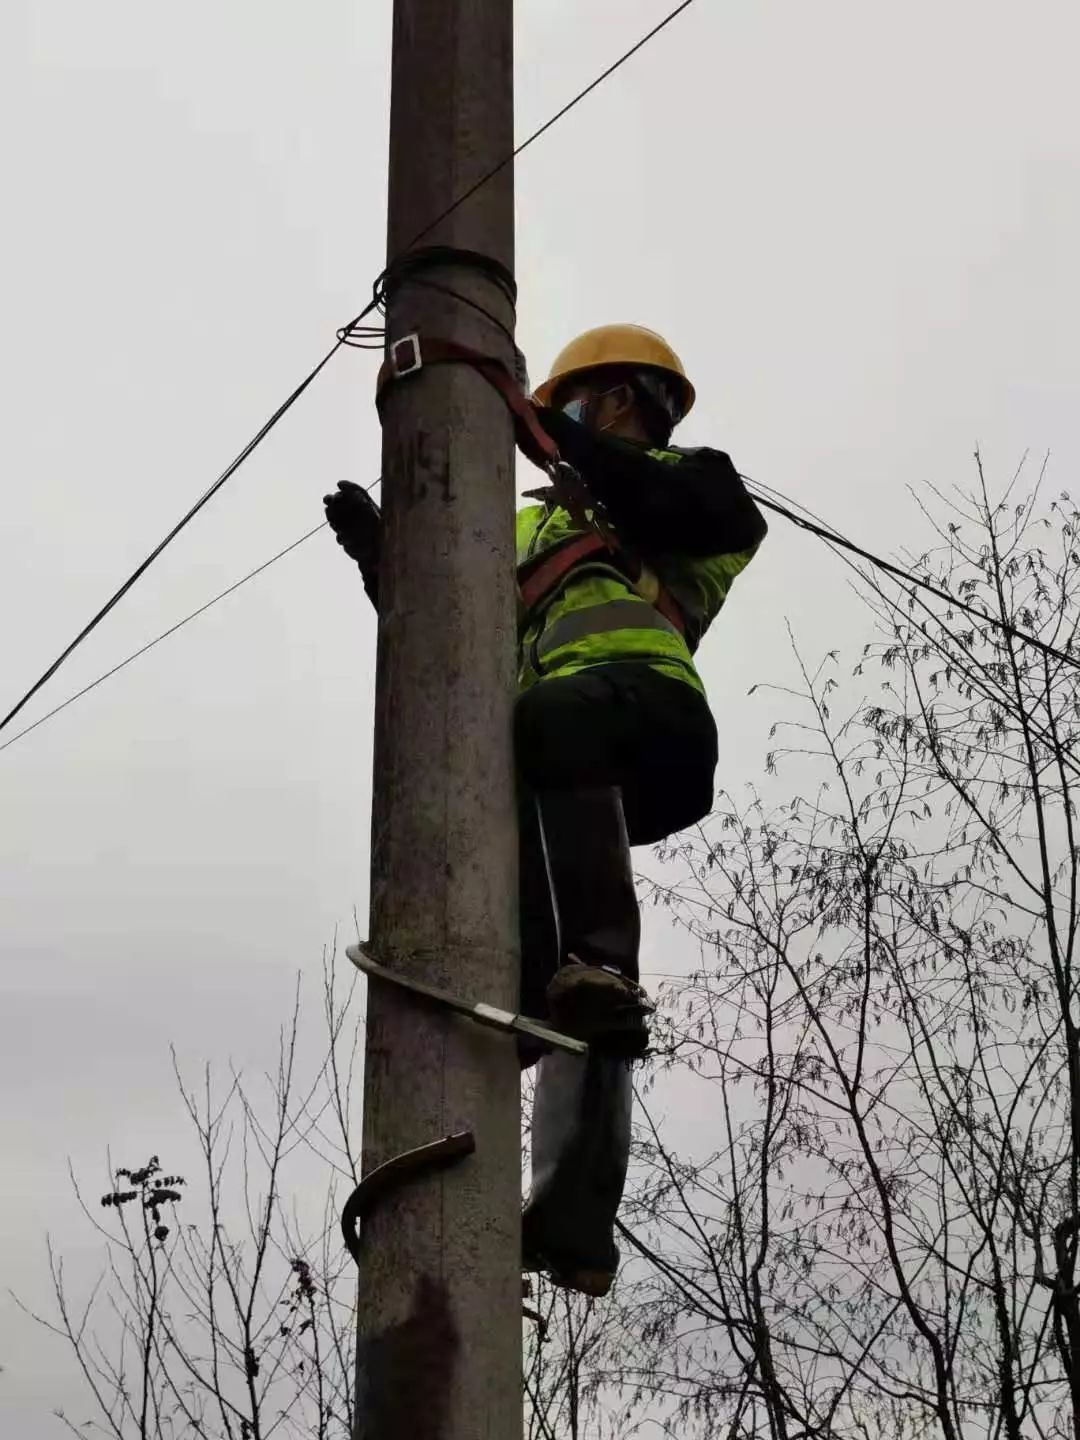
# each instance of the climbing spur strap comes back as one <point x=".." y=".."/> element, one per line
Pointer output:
<point x="488" y="1015"/>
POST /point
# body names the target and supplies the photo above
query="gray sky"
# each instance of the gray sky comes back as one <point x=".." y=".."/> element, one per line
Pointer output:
<point x="858" y="224"/>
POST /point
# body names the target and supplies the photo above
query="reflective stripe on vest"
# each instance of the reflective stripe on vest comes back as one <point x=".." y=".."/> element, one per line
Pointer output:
<point x="595" y="619"/>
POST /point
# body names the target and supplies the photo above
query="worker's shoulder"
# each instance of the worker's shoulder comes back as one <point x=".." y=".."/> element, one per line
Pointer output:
<point x="680" y="454"/>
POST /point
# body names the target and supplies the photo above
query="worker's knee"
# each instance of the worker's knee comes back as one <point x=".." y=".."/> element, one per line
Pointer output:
<point x="674" y="798"/>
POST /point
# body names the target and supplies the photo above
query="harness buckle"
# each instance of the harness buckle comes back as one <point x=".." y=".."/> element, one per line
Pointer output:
<point x="413" y="360"/>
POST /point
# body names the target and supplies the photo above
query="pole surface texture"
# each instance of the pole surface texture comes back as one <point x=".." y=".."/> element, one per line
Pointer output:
<point x="439" y="1318"/>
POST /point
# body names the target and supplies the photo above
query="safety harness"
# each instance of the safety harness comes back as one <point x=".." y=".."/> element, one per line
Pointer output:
<point x="542" y="576"/>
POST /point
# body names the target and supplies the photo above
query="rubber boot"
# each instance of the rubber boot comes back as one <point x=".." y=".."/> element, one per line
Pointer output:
<point x="580" y="1152"/>
<point x="594" y="995"/>
<point x="581" y="1109"/>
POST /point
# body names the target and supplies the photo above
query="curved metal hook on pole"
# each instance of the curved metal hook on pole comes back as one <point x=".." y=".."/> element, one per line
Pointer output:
<point x="399" y="1171"/>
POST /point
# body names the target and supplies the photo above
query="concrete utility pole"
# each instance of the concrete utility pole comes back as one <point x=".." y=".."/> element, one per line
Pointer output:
<point x="439" y="1330"/>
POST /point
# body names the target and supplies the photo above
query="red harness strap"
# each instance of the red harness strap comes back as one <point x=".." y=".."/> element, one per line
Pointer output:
<point x="538" y="578"/>
<point x="405" y="357"/>
<point x="408" y="355"/>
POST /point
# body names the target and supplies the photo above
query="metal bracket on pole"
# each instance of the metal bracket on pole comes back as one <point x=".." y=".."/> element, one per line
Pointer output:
<point x="489" y="1015"/>
<point x="401" y="1168"/>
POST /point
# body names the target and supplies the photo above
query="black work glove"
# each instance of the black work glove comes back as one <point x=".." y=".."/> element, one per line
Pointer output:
<point x="356" y="522"/>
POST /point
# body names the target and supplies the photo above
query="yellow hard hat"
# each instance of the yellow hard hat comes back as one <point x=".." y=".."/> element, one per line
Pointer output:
<point x="617" y="345"/>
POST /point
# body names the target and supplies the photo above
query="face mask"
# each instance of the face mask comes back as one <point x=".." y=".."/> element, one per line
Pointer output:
<point x="578" y="410"/>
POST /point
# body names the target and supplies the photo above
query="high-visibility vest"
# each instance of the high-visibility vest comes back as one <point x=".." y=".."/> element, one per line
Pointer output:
<point x="577" y="608"/>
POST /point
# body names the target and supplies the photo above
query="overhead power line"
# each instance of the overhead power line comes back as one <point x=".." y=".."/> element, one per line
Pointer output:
<point x="144" y="649"/>
<point x="355" y="328"/>
<point x="554" y="120"/>
<point x="141" y="569"/>
<point x="907" y="577"/>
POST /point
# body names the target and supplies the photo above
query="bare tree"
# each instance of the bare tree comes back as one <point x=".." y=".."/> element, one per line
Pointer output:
<point x="880" y="1236"/>
<point x="561" y="1379"/>
<point x="235" y="1322"/>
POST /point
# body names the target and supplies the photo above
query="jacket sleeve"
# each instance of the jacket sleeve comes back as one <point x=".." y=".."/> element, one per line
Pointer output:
<point x="691" y="501"/>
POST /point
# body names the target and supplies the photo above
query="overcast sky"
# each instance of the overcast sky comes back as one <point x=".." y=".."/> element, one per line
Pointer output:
<point x="859" y="225"/>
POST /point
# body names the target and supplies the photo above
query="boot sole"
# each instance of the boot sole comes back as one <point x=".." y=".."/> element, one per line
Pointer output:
<point x="595" y="1283"/>
<point x="627" y="1037"/>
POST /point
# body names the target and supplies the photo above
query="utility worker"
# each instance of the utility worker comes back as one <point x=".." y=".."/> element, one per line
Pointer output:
<point x="614" y="742"/>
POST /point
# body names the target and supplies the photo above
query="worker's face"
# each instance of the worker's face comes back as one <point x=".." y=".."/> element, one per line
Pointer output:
<point x="602" y="404"/>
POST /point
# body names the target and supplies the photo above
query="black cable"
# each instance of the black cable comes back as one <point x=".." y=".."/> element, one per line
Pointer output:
<point x="354" y="334"/>
<point x="465" y="300"/>
<point x="833" y="537"/>
<point x="543" y="129"/>
<point x="163" y="636"/>
<point x="403" y="270"/>
<point x="173" y="628"/>
<point x="406" y="270"/>
<point x="372" y="338"/>
<point x="207" y="495"/>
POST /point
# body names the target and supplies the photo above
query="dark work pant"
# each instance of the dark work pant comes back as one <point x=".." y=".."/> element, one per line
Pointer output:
<point x="619" y="725"/>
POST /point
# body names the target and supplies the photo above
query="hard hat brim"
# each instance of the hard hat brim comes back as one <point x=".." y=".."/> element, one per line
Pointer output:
<point x="545" y="391"/>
